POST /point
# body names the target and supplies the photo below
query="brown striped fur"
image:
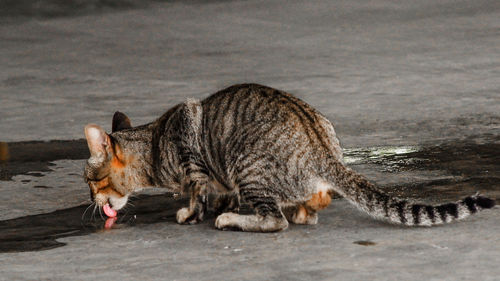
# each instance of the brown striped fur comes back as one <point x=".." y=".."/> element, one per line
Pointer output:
<point x="247" y="143"/>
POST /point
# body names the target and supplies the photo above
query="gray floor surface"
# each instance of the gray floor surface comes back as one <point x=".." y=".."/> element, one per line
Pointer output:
<point x="412" y="87"/>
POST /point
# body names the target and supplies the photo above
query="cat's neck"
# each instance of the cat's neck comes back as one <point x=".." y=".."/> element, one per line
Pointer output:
<point x="164" y="151"/>
<point x="136" y="142"/>
<point x="154" y="151"/>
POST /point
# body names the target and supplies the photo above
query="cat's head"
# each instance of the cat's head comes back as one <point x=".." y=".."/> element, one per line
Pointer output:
<point x="113" y="170"/>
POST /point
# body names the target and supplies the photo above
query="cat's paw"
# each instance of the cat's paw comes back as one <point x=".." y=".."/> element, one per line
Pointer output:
<point x="187" y="216"/>
<point x="228" y="221"/>
<point x="302" y="216"/>
<point x="183" y="214"/>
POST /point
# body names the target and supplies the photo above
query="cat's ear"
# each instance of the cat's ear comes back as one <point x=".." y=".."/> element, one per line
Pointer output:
<point x="97" y="140"/>
<point x="120" y="122"/>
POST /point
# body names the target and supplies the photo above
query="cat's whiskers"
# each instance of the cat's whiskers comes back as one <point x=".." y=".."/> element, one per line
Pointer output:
<point x="133" y="196"/>
<point x="100" y="212"/>
<point x="122" y="217"/>
<point x="86" y="209"/>
<point x="93" y="213"/>
<point x="128" y="207"/>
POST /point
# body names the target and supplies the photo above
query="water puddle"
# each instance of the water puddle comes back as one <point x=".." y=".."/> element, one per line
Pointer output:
<point x="391" y="157"/>
<point x="457" y="157"/>
<point x="467" y="167"/>
<point x="39" y="232"/>
<point x="33" y="157"/>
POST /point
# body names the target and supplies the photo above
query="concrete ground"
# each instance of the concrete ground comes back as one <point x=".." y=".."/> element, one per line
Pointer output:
<point x="412" y="87"/>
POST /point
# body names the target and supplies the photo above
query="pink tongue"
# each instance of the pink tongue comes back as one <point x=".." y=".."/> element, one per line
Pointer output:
<point x="108" y="211"/>
<point x="110" y="222"/>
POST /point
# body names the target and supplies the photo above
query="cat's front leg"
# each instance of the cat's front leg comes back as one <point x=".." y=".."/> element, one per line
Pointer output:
<point x="196" y="187"/>
<point x="195" y="171"/>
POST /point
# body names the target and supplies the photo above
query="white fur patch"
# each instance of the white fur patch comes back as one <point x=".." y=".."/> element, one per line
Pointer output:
<point x="250" y="222"/>
<point x="322" y="186"/>
<point x="183" y="214"/>
<point x="227" y="219"/>
<point x="118" y="202"/>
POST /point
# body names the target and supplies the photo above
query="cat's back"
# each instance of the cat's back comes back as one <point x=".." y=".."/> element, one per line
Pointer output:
<point x="253" y="116"/>
<point x="246" y="103"/>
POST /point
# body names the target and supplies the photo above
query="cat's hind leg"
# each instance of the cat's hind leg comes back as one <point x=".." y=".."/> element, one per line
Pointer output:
<point x="268" y="216"/>
<point x="307" y="213"/>
<point x="303" y="215"/>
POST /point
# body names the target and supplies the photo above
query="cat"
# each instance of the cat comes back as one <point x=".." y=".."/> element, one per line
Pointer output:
<point x="251" y="144"/>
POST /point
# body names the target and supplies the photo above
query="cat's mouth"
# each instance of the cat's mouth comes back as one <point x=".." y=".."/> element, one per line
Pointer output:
<point x="109" y="204"/>
<point x="117" y="203"/>
<point x="109" y="211"/>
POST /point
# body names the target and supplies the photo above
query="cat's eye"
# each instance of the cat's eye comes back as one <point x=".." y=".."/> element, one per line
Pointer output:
<point x="99" y="184"/>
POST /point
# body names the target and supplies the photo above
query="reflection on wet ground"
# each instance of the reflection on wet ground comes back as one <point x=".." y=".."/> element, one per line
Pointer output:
<point x="39" y="232"/>
<point x="4" y="152"/>
<point x="31" y="157"/>
<point x="468" y="166"/>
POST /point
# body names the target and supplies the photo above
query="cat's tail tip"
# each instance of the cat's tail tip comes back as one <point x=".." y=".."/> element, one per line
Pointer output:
<point x="484" y="202"/>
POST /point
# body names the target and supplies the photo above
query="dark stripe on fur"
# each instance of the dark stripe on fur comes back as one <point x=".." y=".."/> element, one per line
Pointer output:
<point x="430" y="213"/>
<point x="386" y="206"/>
<point x="415" y="210"/>
<point x="401" y="211"/>
<point x="485" y="203"/>
<point x="312" y="120"/>
<point x="156" y="149"/>
<point x="470" y="203"/>
<point x="447" y="209"/>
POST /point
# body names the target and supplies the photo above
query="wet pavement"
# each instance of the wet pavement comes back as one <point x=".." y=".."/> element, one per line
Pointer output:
<point x="33" y="157"/>
<point x="412" y="89"/>
<point x="40" y="232"/>
<point x="461" y="168"/>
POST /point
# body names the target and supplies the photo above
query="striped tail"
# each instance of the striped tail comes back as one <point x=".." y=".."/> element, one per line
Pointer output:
<point x="357" y="190"/>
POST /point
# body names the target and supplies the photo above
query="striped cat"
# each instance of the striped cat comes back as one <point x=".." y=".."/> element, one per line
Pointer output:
<point x="246" y="143"/>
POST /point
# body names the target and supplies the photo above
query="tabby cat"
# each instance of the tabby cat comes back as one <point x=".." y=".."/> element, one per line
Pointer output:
<point x="247" y="143"/>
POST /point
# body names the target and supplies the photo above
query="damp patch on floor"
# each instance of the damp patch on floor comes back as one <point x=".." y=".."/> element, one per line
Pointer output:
<point x="45" y="197"/>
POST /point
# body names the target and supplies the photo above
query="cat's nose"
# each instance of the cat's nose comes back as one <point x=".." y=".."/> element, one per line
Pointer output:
<point x="92" y="197"/>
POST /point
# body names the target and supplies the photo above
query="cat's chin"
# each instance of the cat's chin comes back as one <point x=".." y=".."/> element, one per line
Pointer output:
<point x="118" y="202"/>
